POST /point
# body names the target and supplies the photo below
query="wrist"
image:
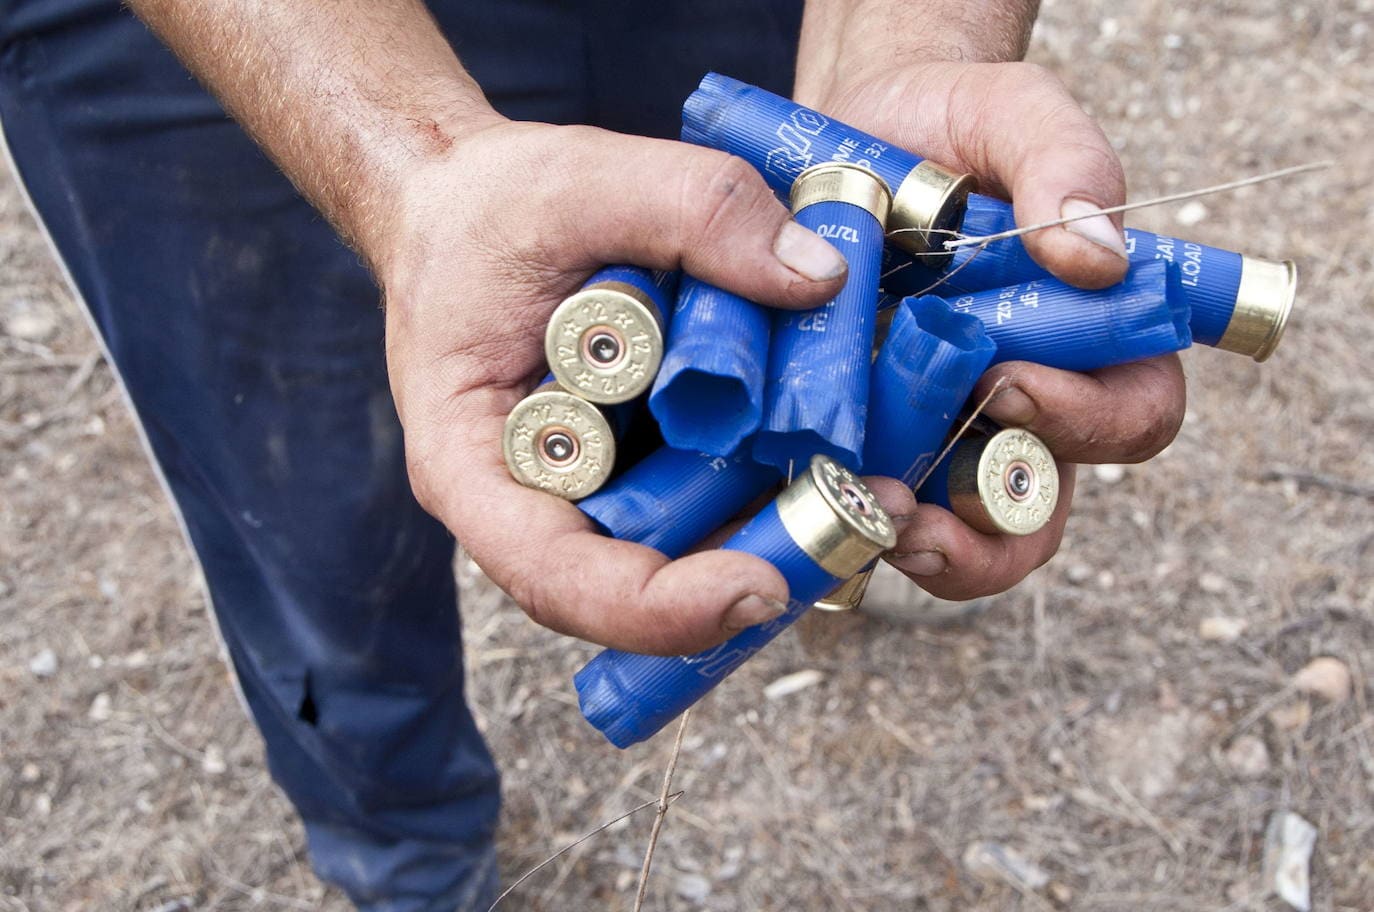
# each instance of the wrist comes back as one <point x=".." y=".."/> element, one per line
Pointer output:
<point x="384" y="223"/>
<point x="847" y="43"/>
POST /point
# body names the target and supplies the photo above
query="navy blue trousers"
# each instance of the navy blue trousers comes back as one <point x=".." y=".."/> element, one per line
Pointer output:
<point x="250" y="342"/>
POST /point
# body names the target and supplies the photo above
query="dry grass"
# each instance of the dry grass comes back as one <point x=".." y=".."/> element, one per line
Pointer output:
<point x="1081" y="721"/>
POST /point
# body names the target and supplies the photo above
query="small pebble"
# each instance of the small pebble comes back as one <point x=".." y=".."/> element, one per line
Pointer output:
<point x="30" y="772"/>
<point x="1109" y="473"/>
<point x="994" y="862"/>
<point x="1221" y="629"/>
<point x="213" y="760"/>
<point x="31" y="326"/>
<point x="1292" y="717"/>
<point x="693" y="887"/>
<point x="1325" y="677"/>
<point x="42" y="804"/>
<point x="183" y="904"/>
<point x="1106" y="579"/>
<point x="1190" y="213"/>
<point x="101" y="708"/>
<point x="1060" y="893"/>
<point x="1214" y="583"/>
<point x="1248" y="757"/>
<point x="44" y="665"/>
<point x="1078" y="573"/>
<point x="791" y="683"/>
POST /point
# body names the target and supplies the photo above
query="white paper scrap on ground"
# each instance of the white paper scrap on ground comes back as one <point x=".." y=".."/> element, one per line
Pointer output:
<point x="1288" y="844"/>
<point x="790" y="684"/>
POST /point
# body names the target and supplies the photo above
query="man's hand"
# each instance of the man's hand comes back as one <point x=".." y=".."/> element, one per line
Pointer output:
<point x="487" y="240"/>
<point x="925" y="77"/>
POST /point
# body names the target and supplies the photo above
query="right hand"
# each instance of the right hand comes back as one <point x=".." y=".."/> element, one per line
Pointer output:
<point x="481" y="244"/>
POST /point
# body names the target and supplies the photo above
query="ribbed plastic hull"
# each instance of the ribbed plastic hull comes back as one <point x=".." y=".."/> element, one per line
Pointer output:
<point x="630" y="697"/>
<point x="924" y="373"/>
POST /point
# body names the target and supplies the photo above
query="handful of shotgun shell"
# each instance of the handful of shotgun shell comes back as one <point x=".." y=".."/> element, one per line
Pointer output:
<point x="673" y="405"/>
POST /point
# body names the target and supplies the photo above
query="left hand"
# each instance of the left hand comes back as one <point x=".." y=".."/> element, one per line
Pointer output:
<point x="1015" y="127"/>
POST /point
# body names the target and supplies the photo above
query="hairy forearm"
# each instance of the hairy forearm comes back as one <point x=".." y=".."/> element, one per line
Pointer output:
<point x="343" y="95"/>
<point x="845" y="41"/>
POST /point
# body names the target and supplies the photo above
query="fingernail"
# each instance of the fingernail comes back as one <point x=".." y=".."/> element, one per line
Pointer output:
<point x="1098" y="228"/>
<point x="921" y="563"/>
<point x="807" y="253"/>
<point x="1011" y="407"/>
<point x="751" y="610"/>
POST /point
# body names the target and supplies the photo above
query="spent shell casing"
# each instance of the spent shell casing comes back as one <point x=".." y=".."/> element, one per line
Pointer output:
<point x="816" y="397"/>
<point x="605" y="342"/>
<point x="558" y="442"/>
<point x="709" y="393"/>
<point x="1049" y="322"/>
<point x="1007" y="483"/>
<point x="782" y="139"/>
<point x="924" y="372"/>
<point x="672" y="499"/>
<point x="821" y="529"/>
<point x="1236" y="302"/>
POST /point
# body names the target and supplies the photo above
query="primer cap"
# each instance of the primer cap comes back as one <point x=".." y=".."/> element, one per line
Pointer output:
<point x="557" y="442"/>
<point x="605" y="342"/>
<point x="835" y="518"/>
<point x="1264" y="301"/>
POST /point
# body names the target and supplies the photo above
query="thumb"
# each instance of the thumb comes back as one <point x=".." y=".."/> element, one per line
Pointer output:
<point x="668" y="205"/>
<point x="1016" y="127"/>
<point x="1055" y="161"/>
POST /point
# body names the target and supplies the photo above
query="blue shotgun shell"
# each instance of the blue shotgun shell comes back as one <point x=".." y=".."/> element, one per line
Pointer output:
<point x="1238" y="303"/>
<point x="1052" y="323"/>
<point x="605" y="342"/>
<point x="672" y="499"/>
<point x="922" y="377"/>
<point x="782" y="139"/>
<point x="816" y="400"/>
<point x="822" y="528"/>
<point x="1006" y="483"/>
<point x="709" y="393"/>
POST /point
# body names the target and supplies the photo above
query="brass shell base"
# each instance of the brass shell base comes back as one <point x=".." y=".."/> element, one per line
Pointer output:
<point x="551" y="409"/>
<point x="620" y="311"/>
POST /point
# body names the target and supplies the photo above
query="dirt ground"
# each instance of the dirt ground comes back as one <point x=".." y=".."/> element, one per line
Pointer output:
<point x="1085" y="722"/>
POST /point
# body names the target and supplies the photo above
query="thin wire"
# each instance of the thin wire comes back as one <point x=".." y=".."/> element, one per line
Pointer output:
<point x="963" y="429"/>
<point x="662" y="812"/>
<point x="969" y="241"/>
<point x="568" y="848"/>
